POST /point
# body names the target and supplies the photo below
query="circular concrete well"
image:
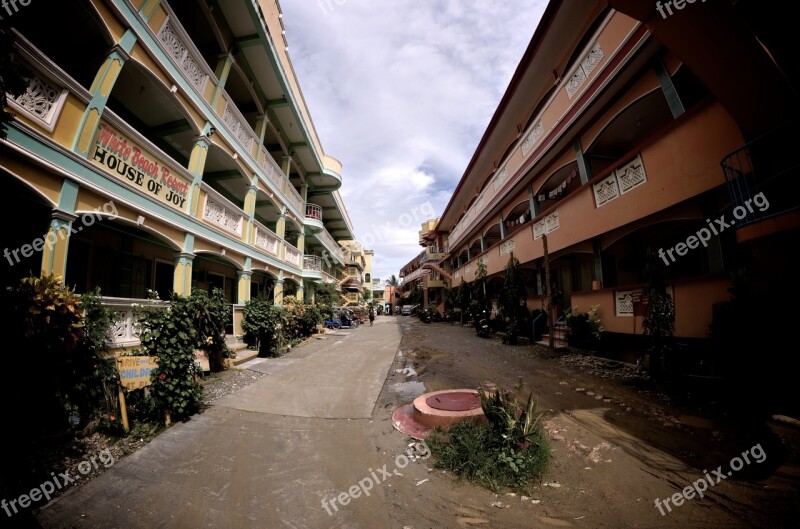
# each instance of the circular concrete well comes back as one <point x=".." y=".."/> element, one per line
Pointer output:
<point x="439" y="408"/>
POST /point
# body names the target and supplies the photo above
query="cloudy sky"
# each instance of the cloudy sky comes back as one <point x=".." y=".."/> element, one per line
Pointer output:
<point x="401" y="92"/>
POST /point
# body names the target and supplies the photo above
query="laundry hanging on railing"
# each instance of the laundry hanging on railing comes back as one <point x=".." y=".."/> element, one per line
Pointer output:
<point x="559" y="190"/>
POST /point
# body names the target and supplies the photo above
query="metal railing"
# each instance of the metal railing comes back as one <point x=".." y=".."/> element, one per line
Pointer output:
<point x="312" y="262"/>
<point x="766" y="166"/>
<point x="314" y="212"/>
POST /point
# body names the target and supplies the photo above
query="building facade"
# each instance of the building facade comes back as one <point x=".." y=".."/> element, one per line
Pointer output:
<point x="166" y="146"/>
<point x="625" y="136"/>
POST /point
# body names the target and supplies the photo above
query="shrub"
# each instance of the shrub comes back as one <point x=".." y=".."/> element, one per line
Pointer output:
<point x="510" y="452"/>
<point x="584" y="328"/>
<point x="263" y="324"/>
<point x="210" y="315"/>
<point x="169" y="335"/>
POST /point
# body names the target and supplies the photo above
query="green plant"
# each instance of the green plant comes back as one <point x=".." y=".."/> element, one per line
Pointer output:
<point x="584" y="328"/>
<point x="263" y="323"/>
<point x="93" y="377"/>
<point x="169" y="335"/>
<point x="512" y="300"/>
<point x="210" y="315"/>
<point x="475" y="453"/>
<point x="515" y="424"/>
<point x="658" y="323"/>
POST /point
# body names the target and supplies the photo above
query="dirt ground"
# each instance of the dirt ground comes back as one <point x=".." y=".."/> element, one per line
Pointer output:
<point x="616" y="446"/>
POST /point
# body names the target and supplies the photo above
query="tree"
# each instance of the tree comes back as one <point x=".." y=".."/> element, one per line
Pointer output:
<point x="512" y="298"/>
<point x="12" y="80"/>
<point x="480" y="296"/>
<point x="658" y="322"/>
<point x="366" y="293"/>
<point x="393" y="281"/>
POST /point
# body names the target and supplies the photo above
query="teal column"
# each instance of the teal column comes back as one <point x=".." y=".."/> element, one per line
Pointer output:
<point x="533" y="203"/>
<point x="584" y="167"/>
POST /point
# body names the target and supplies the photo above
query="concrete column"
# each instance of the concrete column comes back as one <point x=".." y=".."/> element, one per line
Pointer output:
<point x="286" y="166"/>
<point x="503" y="231"/>
<point x="222" y="71"/>
<point x="54" y="251"/>
<point x="100" y="90"/>
<point x="300" y="292"/>
<point x="278" y="292"/>
<point x="182" y="283"/>
<point x="244" y="281"/>
<point x="533" y="202"/>
<point x="584" y="167"/>
<point x="197" y="165"/>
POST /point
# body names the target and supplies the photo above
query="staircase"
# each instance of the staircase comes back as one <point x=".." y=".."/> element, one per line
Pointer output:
<point x="559" y="331"/>
<point x="236" y="345"/>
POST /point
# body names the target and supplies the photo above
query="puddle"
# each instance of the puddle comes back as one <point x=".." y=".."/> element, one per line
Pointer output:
<point x="408" y="371"/>
<point x="407" y="390"/>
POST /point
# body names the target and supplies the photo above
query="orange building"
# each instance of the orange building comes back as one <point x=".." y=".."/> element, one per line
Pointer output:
<point x="623" y="132"/>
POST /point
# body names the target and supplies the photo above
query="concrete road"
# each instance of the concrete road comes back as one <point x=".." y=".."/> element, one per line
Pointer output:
<point x="264" y="457"/>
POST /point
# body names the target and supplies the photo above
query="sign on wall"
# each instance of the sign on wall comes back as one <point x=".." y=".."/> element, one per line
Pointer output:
<point x="122" y="158"/>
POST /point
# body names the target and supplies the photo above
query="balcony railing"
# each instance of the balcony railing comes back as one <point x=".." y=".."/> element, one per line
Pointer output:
<point x="763" y="176"/>
<point x="237" y="125"/>
<point x="266" y="239"/>
<point x="222" y="213"/>
<point x="294" y="197"/>
<point x="313" y="212"/>
<point x="331" y="245"/>
<point x="271" y="169"/>
<point x="292" y="255"/>
<point x="327" y="278"/>
<point x="312" y="262"/>
<point x="124" y="332"/>
<point x="180" y="48"/>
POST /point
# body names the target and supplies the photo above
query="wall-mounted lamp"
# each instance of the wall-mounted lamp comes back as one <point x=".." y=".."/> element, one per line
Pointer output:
<point x="236" y="156"/>
<point x="173" y="89"/>
<point x="140" y="220"/>
<point x="211" y="131"/>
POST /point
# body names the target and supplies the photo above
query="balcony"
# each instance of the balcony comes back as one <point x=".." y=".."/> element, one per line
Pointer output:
<point x="314" y="218"/>
<point x="330" y="245"/>
<point x="763" y="179"/>
<point x="312" y="262"/>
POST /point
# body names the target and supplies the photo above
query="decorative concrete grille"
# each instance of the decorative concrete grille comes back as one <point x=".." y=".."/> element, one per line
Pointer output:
<point x="182" y="56"/>
<point x="584" y="69"/>
<point x="507" y="247"/>
<point x="223" y="217"/>
<point x="532" y="138"/>
<point x="631" y="175"/>
<point x="606" y="191"/>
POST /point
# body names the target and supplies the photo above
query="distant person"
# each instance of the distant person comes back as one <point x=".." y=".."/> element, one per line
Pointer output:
<point x="371" y="315"/>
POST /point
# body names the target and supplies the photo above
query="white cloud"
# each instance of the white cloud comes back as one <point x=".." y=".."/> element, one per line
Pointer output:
<point x="401" y="91"/>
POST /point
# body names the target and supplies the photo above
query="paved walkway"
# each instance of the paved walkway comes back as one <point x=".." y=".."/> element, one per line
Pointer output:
<point x="264" y="457"/>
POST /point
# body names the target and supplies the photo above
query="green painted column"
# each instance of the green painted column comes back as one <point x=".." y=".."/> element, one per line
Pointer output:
<point x="101" y="89"/>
